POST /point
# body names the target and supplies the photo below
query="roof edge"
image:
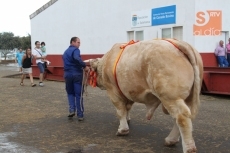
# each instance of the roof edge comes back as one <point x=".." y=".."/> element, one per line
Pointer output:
<point x="41" y="9"/>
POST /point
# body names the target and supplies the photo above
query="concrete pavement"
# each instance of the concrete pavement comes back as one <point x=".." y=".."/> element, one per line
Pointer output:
<point x="34" y="120"/>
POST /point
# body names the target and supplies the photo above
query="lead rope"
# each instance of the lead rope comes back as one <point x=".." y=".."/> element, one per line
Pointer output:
<point x="85" y="83"/>
<point x="84" y="86"/>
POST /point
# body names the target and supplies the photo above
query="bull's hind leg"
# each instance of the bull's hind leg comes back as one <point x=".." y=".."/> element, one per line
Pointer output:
<point x="174" y="136"/>
<point x="180" y="111"/>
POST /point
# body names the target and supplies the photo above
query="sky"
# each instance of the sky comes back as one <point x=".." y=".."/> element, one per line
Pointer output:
<point x="14" y="15"/>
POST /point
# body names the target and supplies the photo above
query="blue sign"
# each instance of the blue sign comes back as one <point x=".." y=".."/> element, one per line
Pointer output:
<point x="164" y="15"/>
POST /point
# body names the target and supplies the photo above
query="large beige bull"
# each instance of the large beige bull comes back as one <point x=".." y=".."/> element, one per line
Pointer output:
<point x="167" y="72"/>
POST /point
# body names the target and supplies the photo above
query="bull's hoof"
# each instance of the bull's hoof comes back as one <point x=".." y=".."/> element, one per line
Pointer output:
<point x="192" y="150"/>
<point x="122" y="132"/>
<point x="190" y="147"/>
<point x="170" y="143"/>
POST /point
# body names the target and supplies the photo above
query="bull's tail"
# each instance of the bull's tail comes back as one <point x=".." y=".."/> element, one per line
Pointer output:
<point x="193" y="101"/>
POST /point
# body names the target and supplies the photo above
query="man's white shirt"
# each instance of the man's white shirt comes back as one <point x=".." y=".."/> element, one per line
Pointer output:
<point x="37" y="52"/>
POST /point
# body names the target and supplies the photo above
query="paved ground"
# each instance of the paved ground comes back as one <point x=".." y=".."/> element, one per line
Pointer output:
<point x="34" y="120"/>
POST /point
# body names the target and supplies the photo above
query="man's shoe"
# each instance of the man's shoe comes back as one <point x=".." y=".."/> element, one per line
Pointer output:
<point x="80" y="118"/>
<point x="41" y="84"/>
<point x="71" y="115"/>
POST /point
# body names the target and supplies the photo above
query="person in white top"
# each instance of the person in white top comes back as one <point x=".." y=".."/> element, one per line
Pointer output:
<point x="37" y="53"/>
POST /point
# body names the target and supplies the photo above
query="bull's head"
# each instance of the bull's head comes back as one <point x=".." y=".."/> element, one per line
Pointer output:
<point x="96" y="66"/>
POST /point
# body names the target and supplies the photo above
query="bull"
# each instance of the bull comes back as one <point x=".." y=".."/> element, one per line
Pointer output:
<point x="154" y="72"/>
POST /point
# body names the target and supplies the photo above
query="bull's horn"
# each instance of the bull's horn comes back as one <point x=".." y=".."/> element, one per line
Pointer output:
<point x="87" y="60"/>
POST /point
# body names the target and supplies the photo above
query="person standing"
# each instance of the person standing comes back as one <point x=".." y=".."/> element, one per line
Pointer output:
<point x="26" y="67"/>
<point x="74" y="68"/>
<point x="18" y="59"/>
<point x="37" y="53"/>
<point x="228" y="51"/>
<point x="220" y="53"/>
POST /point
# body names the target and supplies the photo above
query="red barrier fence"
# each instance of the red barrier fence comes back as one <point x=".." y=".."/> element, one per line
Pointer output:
<point x="55" y="69"/>
<point x="216" y="80"/>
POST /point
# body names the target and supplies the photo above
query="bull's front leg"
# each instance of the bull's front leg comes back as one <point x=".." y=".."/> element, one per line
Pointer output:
<point x="122" y="115"/>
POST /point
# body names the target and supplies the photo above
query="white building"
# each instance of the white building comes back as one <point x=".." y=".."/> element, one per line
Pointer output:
<point x="102" y="23"/>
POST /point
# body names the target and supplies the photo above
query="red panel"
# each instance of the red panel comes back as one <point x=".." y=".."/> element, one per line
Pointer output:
<point x="215" y="80"/>
<point x="209" y="59"/>
<point x="206" y="81"/>
<point x="220" y="82"/>
<point x="35" y="71"/>
<point x="216" y="69"/>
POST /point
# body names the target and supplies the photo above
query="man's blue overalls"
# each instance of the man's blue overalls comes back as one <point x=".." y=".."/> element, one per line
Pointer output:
<point x="73" y="74"/>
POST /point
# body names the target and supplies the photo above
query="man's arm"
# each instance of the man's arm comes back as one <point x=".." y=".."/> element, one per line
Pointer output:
<point x="37" y="55"/>
<point x="77" y="58"/>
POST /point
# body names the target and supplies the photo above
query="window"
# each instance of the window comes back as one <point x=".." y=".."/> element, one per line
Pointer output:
<point x="166" y="33"/>
<point x="178" y="33"/>
<point x="139" y="35"/>
<point x="174" y="32"/>
<point x="130" y="35"/>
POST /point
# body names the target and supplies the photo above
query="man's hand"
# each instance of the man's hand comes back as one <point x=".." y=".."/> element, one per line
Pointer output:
<point x="87" y="68"/>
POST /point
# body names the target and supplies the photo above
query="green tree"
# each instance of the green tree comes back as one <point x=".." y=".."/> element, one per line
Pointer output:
<point x="25" y="41"/>
<point x="8" y="42"/>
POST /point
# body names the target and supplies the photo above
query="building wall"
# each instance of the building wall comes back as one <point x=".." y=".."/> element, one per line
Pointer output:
<point x="103" y="23"/>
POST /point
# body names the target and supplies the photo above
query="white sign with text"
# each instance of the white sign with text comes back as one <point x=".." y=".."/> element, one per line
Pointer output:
<point x="141" y="18"/>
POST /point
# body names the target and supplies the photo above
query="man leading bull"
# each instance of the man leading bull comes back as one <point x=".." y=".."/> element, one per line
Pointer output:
<point x="74" y="68"/>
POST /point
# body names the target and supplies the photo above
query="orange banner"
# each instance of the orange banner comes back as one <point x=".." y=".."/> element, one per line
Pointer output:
<point x="208" y="23"/>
